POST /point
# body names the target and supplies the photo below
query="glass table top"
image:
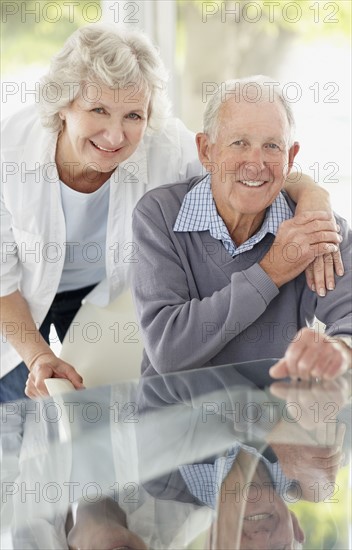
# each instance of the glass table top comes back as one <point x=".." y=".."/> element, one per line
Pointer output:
<point x="215" y="458"/>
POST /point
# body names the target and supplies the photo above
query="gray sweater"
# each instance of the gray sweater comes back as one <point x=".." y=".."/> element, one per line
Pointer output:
<point x="199" y="306"/>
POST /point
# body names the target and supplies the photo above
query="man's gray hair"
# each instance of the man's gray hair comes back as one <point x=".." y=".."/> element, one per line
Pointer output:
<point x="109" y="56"/>
<point x="252" y="89"/>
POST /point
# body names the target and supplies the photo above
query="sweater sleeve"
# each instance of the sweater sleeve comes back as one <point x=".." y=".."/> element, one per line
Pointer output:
<point x="179" y="330"/>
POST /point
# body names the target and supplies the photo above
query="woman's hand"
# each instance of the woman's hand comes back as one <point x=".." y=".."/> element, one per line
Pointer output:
<point x="320" y="274"/>
<point x="31" y="346"/>
<point x="47" y="365"/>
<point x="102" y="525"/>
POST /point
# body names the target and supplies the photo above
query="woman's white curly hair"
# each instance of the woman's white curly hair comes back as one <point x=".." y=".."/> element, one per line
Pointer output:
<point x="105" y="55"/>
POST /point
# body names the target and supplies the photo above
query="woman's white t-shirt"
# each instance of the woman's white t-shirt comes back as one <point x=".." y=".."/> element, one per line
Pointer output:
<point x="86" y="216"/>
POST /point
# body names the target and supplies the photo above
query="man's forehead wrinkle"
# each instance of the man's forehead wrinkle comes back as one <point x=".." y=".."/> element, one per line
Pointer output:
<point x="230" y="121"/>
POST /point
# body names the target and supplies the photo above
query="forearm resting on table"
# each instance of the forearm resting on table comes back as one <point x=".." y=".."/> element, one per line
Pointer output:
<point x="19" y="329"/>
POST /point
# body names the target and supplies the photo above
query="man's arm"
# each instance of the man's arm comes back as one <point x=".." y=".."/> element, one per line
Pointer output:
<point x="172" y="319"/>
<point x="324" y="355"/>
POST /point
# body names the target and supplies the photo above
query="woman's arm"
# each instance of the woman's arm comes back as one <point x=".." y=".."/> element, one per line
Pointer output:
<point x="20" y="330"/>
<point x="320" y="274"/>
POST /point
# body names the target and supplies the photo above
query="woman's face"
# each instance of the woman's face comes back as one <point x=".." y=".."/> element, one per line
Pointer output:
<point x="102" y="128"/>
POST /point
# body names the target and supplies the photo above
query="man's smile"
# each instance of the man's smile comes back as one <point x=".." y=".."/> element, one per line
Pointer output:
<point x="251" y="183"/>
<point x="257" y="517"/>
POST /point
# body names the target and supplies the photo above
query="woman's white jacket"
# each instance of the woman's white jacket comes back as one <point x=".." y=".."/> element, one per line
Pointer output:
<point x="33" y="231"/>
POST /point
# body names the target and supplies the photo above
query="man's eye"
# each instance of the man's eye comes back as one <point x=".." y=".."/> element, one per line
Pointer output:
<point x="99" y="110"/>
<point x="238" y="142"/>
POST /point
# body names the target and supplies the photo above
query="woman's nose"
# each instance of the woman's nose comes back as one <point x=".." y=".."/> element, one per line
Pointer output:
<point x="114" y="134"/>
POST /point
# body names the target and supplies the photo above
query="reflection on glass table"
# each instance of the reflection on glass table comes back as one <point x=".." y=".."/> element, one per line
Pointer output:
<point x="218" y="458"/>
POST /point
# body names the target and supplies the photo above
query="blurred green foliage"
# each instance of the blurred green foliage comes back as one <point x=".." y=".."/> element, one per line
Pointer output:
<point x="325" y="524"/>
<point x="310" y="18"/>
<point x="32" y="31"/>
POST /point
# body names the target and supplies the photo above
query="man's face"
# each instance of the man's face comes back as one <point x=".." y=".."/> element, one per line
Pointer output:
<point x="250" y="158"/>
<point x="268" y="524"/>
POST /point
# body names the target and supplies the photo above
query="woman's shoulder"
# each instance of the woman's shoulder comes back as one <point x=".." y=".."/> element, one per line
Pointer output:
<point x="16" y="128"/>
<point x="24" y="138"/>
<point x="173" y="131"/>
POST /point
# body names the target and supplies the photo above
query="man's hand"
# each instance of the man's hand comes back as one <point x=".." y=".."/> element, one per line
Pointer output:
<point x="311" y="450"/>
<point x="313" y="355"/>
<point x="314" y="467"/>
<point x="47" y="365"/>
<point x="298" y="242"/>
<point x="319" y="404"/>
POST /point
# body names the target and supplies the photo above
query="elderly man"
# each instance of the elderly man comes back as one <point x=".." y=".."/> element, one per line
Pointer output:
<point x="219" y="277"/>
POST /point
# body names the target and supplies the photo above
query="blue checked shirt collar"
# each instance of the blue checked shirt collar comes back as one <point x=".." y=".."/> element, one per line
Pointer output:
<point x="204" y="480"/>
<point x="198" y="213"/>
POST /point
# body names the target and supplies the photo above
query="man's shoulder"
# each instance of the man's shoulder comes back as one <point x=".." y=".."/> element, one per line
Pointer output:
<point x="167" y="198"/>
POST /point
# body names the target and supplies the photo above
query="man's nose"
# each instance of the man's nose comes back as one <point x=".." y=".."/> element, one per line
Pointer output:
<point x="254" y="163"/>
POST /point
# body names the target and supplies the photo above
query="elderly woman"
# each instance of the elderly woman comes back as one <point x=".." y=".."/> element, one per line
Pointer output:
<point x="72" y="174"/>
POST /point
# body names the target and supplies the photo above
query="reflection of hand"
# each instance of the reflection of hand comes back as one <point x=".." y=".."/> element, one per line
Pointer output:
<point x="314" y="467"/>
<point x="47" y="365"/>
<point x="319" y="403"/>
<point x="102" y="525"/>
<point x="313" y="354"/>
<point x="310" y="451"/>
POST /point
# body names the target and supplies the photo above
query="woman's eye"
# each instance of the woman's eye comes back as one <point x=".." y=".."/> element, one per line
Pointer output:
<point x="273" y="146"/>
<point x="134" y="116"/>
<point x="98" y="110"/>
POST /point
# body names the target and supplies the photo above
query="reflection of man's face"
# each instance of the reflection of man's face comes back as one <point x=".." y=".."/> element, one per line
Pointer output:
<point x="267" y="524"/>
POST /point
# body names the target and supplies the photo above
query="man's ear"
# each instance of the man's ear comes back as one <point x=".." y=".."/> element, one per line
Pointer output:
<point x="202" y="141"/>
<point x="292" y="154"/>
<point x="297" y="530"/>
